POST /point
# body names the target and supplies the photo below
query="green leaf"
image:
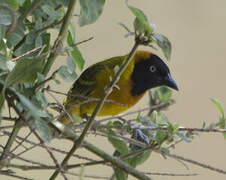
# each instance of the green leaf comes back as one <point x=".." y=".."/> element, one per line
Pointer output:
<point x="77" y="57"/>
<point x="163" y="93"/>
<point x="66" y="75"/>
<point x="141" y="23"/>
<point x="25" y="71"/>
<point x="73" y="31"/>
<point x="3" y="29"/>
<point x="50" y="11"/>
<point x="139" y="159"/>
<point x="42" y="127"/>
<point x="77" y="119"/>
<point x="13" y="3"/>
<point x="161" y="136"/>
<point x="219" y="106"/>
<point x="21" y="2"/>
<point x="118" y="144"/>
<point x="117" y="124"/>
<point x="116" y="68"/>
<point x="90" y="11"/>
<point x="165" y="45"/>
<point x="3" y="61"/>
<point x="46" y="41"/>
<point x="70" y="40"/>
<point x="42" y="98"/>
<point x="16" y="36"/>
<point x="71" y="63"/>
<point x="3" y="47"/>
<point x="183" y="136"/>
<point x="120" y="174"/>
<point x="34" y="110"/>
<point x="5" y="17"/>
<point x="222" y="122"/>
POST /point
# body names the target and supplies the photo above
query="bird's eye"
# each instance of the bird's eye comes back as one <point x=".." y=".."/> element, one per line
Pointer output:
<point x="152" y="68"/>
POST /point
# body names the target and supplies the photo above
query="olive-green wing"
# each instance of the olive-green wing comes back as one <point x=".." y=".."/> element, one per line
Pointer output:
<point x="86" y="83"/>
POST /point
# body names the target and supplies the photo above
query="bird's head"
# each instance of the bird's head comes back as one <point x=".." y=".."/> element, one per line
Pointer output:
<point x="149" y="72"/>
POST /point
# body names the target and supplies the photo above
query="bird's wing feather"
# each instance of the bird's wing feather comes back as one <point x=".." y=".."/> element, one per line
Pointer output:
<point x="86" y="84"/>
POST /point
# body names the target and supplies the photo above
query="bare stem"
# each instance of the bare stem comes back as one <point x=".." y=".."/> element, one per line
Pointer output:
<point x="62" y="34"/>
<point x="165" y="128"/>
<point x="27" y="53"/>
<point x="206" y="166"/>
<point x="108" y="158"/>
<point x="3" y="158"/>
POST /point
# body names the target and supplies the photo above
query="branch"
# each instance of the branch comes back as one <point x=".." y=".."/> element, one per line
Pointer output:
<point x="81" y="42"/>
<point x="9" y="173"/>
<point x="51" y="148"/>
<point x="12" y="156"/>
<point x="116" y="161"/>
<point x="62" y="34"/>
<point x="155" y="107"/>
<point x="206" y="166"/>
<point x="27" y="53"/>
<point x="169" y="174"/>
<point x="38" y="137"/>
<point x="55" y="23"/>
<point x="3" y="158"/>
<point x="35" y="4"/>
<point x="165" y="128"/>
<point x="108" y="90"/>
<point x="108" y="158"/>
<point x="46" y="80"/>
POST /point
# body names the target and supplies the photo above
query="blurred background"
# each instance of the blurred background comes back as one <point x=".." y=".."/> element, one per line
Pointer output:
<point x="197" y="31"/>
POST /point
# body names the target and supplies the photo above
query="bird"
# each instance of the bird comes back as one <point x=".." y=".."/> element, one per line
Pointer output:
<point x="145" y="71"/>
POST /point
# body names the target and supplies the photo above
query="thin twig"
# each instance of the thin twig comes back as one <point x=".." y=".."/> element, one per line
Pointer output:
<point x="8" y="173"/>
<point x="85" y="98"/>
<point x="27" y="53"/>
<point x="165" y="128"/>
<point x="21" y="142"/>
<point x="3" y="160"/>
<point x="35" y="4"/>
<point x="81" y="42"/>
<point x="62" y="34"/>
<point x="50" y="153"/>
<point x="113" y="160"/>
<point x="51" y="148"/>
<point x="169" y="174"/>
<point x="39" y="138"/>
<point x="8" y="118"/>
<point x="55" y="23"/>
<point x="46" y="80"/>
<point x="23" y="159"/>
<point x="97" y="109"/>
<point x="155" y="107"/>
<point x="6" y="127"/>
<point x="206" y="166"/>
<point x="62" y="107"/>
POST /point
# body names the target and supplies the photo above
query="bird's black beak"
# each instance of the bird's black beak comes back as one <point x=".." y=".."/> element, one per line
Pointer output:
<point x="169" y="81"/>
